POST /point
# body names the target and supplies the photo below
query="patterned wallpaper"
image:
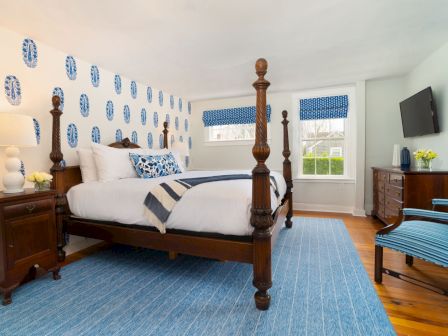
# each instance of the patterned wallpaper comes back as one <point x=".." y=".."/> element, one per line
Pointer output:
<point x="98" y="105"/>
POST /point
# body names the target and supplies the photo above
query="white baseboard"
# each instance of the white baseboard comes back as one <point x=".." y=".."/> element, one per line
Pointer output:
<point x="329" y="208"/>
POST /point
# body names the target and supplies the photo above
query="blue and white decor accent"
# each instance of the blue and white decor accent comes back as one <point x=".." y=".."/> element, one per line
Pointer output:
<point x="126" y="114"/>
<point x="187" y="161"/>
<point x="151" y="166"/>
<point x="133" y="89"/>
<point x="161" y="141"/>
<point x="198" y="296"/>
<point x="22" y="168"/>
<point x="118" y="135"/>
<point x="72" y="135"/>
<point x="186" y="125"/>
<point x="96" y="135"/>
<point x="57" y="91"/>
<point x="160" y="98"/>
<point x="190" y="143"/>
<point x="167" y="119"/>
<point x="143" y="116"/>
<point x="134" y="137"/>
<point x="13" y="91"/>
<point x="149" y="94"/>
<point x="29" y="52"/>
<point x="233" y="116"/>
<point x="150" y="140"/>
<point x="70" y="67"/>
<point x="181" y="138"/>
<point x="180" y="104"/>
<point x="37" y="130"/>
<point x="62" y="164"/>
<point x="109" y="110"/>
<point x="95" y="76"/>
<point x="156" y="119"/>
<point x="172" y="139"/>
<point x="84" y="105"/>
<point x="176" y="123"/>
<point x="189" y="108"/>
<point x="117" y="84"/>
<point x="332" y="107"/>
<point x="171" y="101"/>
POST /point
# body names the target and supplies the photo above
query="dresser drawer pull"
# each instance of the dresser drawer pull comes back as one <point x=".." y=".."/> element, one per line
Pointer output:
<point x="11" y="245"/>
<point x="36" y="266"/>
<point x="30" y="207"/>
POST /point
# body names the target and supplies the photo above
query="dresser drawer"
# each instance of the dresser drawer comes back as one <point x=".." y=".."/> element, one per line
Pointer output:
<point x="383" y="177"/>
<point x="381" y="186"/>
<point x="393" y="205"/>
<point x="27" y="208"/>
<point x="394" y="192"/>
<point x="396" y="179"/>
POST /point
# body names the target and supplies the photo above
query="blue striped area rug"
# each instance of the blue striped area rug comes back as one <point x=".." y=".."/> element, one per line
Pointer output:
<point x="320" y="287"/>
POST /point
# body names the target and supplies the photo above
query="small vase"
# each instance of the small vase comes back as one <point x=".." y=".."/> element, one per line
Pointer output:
<point x="425" y="164"/>
<point x="41" y="186"/>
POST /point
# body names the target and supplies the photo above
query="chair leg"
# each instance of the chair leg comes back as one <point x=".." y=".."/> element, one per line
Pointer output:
<point x="409" y="260"/>
<point x="378" y="264"/>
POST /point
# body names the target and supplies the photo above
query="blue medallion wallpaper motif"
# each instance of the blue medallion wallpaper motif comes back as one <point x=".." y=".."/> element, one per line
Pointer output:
<point x="180" y="105"/>
<point x="134" y="89"/>
<point x="72" y="135"/>
<point x="94" y="76"/>
<point x="190" y="143"/>
<point x="118" y="135"/>
<point x="156" y="119"/>
<point x="189" y="108"/>
<point x="127" y="114"/>
<point x="172" y="139"/>
<point x="186" y="125"/>
<point x="109" y="110"/>
<point x="13" y="91"/>
<point x="143" y="116"/>
<point x="149" y="94"/>
<point x="161" y="141"/>
<point x="117" y="84"/>
<point x="181" y="138"/>
<point x="70" y="67"/>
<point x="36" y="130"/>
<point x="167" y="119"/>
<point x="176" y="123"/>
<point x="29" y="53"/>
<point x="160" y="98"/>
<point x="171" y="101"/>
<point x="84" y="105"/>
<point x="96" y="136"/>
<point x="134" y="137"/>
<point x="150" y="140"/>
<point x="57" y="91"/>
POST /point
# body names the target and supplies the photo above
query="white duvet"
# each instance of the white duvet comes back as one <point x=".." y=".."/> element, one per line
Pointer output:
<point x="216" y="207"/>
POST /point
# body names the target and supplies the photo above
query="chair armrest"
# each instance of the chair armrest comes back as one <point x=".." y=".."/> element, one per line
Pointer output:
<point x="440" y="201"/>
<point x="426" y="213"/>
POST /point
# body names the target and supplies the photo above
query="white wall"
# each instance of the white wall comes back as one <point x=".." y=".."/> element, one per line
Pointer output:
<point x="339" y="196"/>
<point x="37" y="85"/>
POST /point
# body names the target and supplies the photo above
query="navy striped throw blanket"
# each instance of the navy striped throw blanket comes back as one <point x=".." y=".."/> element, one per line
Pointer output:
<point x="161" y="200"/>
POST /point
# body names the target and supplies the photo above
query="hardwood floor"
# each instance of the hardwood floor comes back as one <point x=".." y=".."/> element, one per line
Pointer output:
<point x="411" y="309"/>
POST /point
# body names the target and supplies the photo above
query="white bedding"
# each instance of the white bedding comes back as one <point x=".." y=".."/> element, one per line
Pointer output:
<point x="216" y="207"/>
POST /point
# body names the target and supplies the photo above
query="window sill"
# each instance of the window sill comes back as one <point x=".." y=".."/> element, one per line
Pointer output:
<point x="232" y="143"/>
<point x="313" y="179"/>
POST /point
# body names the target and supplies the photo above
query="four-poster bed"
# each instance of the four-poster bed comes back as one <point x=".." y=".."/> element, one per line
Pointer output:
<point x="255" y="249"/>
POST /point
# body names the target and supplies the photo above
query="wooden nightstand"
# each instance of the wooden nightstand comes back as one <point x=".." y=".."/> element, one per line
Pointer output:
<point x="28" y="244"/>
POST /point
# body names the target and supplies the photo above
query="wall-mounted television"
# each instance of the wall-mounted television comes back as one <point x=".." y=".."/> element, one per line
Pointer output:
<point x="419" y="114"/>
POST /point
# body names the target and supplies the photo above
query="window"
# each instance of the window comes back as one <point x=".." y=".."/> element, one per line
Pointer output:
<point x="323" y="137"/>
<point x="323" y="147"/>
<point x="231" y="124"/>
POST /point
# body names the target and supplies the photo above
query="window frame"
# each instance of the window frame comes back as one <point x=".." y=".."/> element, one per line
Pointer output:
<point x="240" y="142"/>
<point x="349" y="133"/>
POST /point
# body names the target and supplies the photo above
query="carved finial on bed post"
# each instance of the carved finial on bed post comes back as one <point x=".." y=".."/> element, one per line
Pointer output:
<point x="287" y="168"/>
<point x="56" y="155"/>
<point x="261" y="218"/>
<point x="165" y="134"/>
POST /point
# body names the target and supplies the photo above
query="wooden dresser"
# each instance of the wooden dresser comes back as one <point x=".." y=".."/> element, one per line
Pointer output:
<point x="28" y="245"/>
<point x="394" y="189"/>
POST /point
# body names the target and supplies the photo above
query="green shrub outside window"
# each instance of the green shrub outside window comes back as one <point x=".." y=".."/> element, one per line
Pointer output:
<point x="323" y="166"/>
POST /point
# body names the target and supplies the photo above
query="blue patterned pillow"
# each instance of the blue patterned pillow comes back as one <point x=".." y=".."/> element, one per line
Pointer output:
<point x="150" y="166"/>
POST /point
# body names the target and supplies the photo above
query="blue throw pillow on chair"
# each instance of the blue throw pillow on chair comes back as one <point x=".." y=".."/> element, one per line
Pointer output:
<point x="150" y="166"/>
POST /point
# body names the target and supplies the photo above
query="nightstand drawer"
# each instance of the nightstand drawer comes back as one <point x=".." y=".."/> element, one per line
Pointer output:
<point x="28" y="208"/>
<point x="396" y="180"/>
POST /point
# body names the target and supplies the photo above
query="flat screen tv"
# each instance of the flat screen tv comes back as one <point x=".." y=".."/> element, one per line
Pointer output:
<point x="419" y="115"/>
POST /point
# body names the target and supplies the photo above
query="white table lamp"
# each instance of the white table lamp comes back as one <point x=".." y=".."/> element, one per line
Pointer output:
<point x="16" y="130"/>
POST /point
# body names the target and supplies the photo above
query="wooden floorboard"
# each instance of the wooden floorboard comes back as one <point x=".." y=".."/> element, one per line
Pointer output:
<point x="411" y="309"/>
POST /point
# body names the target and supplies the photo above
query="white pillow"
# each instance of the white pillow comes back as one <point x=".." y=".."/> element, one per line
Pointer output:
<point x="87" y="165"/>
<point x="114" y="163"/>
<point x="176" y="155"/>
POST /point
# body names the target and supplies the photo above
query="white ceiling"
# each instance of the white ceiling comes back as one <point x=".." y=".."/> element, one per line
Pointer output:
<point x="207" y="49"/>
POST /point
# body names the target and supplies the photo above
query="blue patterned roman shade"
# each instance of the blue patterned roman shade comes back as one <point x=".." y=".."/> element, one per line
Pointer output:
<point x="233" y="116"/>
<point x="333" y="107"/>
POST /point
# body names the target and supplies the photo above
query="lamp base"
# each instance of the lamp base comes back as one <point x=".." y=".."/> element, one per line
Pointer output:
<point x="13" y="179"/>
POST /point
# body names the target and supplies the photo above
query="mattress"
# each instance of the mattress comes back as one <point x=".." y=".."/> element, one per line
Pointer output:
<point x="221" y="207"/>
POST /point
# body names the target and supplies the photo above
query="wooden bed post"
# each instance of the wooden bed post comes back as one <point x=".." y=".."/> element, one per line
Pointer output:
<point x="287" y="168"/>
<point x="56" y="157"/>
<point x="261" y="213"/>
<point x="165" y="134"/>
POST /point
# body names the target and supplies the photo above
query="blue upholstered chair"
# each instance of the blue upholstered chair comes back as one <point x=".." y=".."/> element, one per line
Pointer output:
<point x="417" y="233"/>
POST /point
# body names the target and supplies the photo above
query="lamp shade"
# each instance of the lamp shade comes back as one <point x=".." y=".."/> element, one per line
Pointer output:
<point x="17" y="130"/>
<point x="181" y="148"/>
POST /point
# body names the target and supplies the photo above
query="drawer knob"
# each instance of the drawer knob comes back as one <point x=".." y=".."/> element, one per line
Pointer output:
<point x="30" y="207"/>
<point x="36" y="266"/>
<point x="11" y="245"/>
